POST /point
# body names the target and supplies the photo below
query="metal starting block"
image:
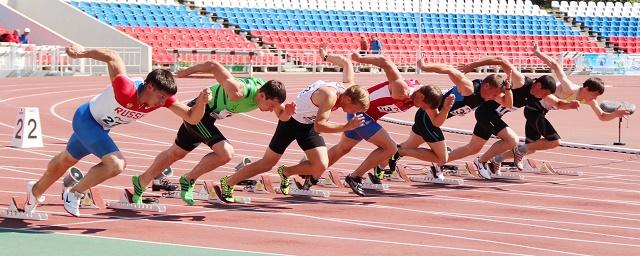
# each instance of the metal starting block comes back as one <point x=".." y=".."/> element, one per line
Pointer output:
<point x="531" y="166"/>
<point x="507" y="176"/>
<point x="334" y="181"/>
<point x="125" y="203"/>
<point x="261" y="186"/>
<point x="205" y="192"/>
<point x="295" y="190"/>
<point x="18" y="209"/>
<point x="212" y="195"/>
<point x="92" y="200"/>
<point x="401" y="169"/>
<point x="245" y="161"/>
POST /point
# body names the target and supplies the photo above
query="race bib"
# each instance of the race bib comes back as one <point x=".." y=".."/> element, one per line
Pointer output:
<point x="502" y="110"/>
<point x="222" y="115"/>
<point x="112" y="121"/>
<point x="461" y="111"/>
<point x="389" y="109"/>
<point x="310" y="119"/>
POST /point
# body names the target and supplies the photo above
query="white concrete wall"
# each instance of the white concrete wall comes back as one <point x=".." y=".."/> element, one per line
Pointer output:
<point x="80" y="27"/>
<point x="40" y="34"/>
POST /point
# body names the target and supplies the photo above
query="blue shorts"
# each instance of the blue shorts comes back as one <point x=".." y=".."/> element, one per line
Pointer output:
<point x="370" y="128"/>
<point x="88" y="136"/>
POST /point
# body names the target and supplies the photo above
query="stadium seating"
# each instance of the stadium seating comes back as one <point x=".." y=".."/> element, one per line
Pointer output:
<point x="617" y="21"/>
<point x="164" y="26"/>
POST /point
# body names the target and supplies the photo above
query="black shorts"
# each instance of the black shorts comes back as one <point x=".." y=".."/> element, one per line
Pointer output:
<point x="538" y="126"/>
<point x="291" y="130"/>
<point x="488" y="122"/>
<point x="423" y="126"/>
<point x="190" y="136"/>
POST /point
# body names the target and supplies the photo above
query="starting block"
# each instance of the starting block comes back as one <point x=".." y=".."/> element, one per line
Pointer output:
<point x="295" y="190"/>
<point x="367" y="183"/>
<point x="214" y="190"/>
<point x="261" y="186"/>
<point x="205" y="193"/>
<point x="245" y="161"/>
<point x="429" y="178"/>
<point x="507" y="176"/>
<point x="125" y="203"/>
<point x="92" y="200"/>
<point x="531" y="166"/>
<point x="17" y="210"/>
<point x="332" y="182"/>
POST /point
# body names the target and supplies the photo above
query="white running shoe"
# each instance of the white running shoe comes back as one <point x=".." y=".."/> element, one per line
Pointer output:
<point x="72" y="202"/>
<point x="32" y="201"/>
<point x="483" y="169"/>
<point x="436" y="171"/>
<point x="517" y="158"/>
<point x="494" y="166"/>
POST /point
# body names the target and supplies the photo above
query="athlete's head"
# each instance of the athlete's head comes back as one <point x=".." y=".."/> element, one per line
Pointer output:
<point x="354" y="99"/>
<point x="271" y="94"/>
<point x="427" y="97"/>
<point x="158" y="87"/>
<point x="491" y="87"/>
<point x="543" y="86"/>
<point x="592" y="88"/>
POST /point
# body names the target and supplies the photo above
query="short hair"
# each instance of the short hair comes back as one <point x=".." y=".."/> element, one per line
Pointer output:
<point x="358" y="95"/>
<point x="432" y="95"/>
<point x="162" y="80"/>
<point x="547" y="83"/>
<point x="274" y="89"/>
<point x="494" y="80"/>
<point x="594" y="84"/>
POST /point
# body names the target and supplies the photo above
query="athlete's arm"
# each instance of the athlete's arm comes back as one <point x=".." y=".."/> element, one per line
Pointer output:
<point x="552" y="100"/>
<point x="555" y="68"/>
<point x="604" y="116"/>
<point x="115" y="65"/>
<point x="439" y="116"/>
<point x="325" y="98"/>
<point x="348" y="77"/>
<point x="285" y="111"/>
<point x="463" y="84"/>
<point x="397" y="85"/>
<point x="231" y="86"/>
<point x="516" y="77"/>
<point x="194" y="114"/>
<point x="506" y="99"/>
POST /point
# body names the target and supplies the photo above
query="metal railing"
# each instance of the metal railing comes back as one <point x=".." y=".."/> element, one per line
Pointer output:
<point x="27" y="59"/>
<point x="297" y="60"/>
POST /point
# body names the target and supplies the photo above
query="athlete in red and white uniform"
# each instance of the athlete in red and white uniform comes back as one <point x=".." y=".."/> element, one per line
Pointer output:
<point x="125" y="101"/>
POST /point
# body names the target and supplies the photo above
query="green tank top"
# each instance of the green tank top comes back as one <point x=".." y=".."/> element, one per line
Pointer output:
<point x="221" y="107"/>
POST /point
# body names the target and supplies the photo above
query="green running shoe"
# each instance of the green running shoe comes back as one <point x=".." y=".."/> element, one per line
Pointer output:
<point x="378" y="175"/>
<point x="137" y="190"/>
<point x="227" y="190"/>
<point x="284" y="181"/>
<point x="393" y="161"/>
<point x="186" y="190"/>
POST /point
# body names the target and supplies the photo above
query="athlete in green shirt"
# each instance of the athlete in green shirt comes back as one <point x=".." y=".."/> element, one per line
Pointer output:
<point x="229" y="96"/>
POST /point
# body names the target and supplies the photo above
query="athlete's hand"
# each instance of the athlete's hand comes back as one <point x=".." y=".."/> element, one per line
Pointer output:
<point x="448" y="101"/>
<point x="574" y="104"/>
<point x="621" y="112"/>
<point x="204" y="96"/>
<point x="354" y="123"/>
<point x="420" y="62"/>
<point x="323" y="49"/>
<point x="467" y="69"/>
<point x="183" y="73"/>
<point x="355" y="56"/>
<point x="74" y="51"/>
<point x="536" y="49"/>
<point x="289" y="108"/>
